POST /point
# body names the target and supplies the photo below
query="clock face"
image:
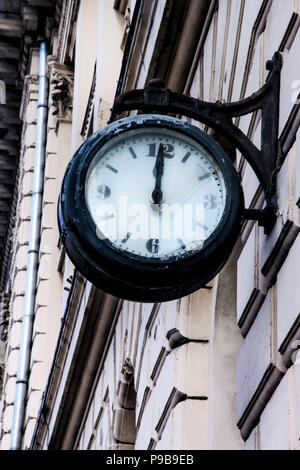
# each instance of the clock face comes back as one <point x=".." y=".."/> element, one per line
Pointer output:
<point x="155" y="193"/>
<point x="150" y="208"/>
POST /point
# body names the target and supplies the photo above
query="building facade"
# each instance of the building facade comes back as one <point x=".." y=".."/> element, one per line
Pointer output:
<point x="217" y="369"/>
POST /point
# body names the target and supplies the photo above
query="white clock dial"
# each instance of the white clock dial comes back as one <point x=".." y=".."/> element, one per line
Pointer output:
<point x="155" y="193"/>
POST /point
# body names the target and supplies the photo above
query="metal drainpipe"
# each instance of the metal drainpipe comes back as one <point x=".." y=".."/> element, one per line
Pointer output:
<point x="33" y="252"/>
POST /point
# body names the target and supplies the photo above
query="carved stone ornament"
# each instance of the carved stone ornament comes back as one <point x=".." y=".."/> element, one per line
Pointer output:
<point x="61" y="92"/>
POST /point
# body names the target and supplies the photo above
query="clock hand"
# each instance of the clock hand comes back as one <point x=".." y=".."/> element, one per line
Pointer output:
<point x="157" y="194"/>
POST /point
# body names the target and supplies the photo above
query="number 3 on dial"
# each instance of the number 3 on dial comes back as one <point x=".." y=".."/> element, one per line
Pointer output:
<point x="210" y="201"/>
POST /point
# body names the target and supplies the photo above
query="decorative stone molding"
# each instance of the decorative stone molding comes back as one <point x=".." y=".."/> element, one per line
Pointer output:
<point x="61" y="90"/>
<point x="87" y="122"/>
<point x="127" y="18"/>
<point x="268" y="385"/>
<point x="291" y="346"/>
<point x="30" y="81"/>
<point x="67" y="23"/>
<point x="4" y="314"/>
<point x="124" y="413"/>
<point x="175" y="397"/>
<point x="28" y="42"/>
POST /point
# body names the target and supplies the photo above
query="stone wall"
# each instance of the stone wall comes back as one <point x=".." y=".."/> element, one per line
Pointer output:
<point x="217" y="369"/>
<point x="232" y="66"/>
<point x="166" y="346"/>
<point x="180" y="380"/>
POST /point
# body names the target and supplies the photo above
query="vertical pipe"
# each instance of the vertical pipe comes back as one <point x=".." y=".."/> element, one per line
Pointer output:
<point x="33" y="252"/>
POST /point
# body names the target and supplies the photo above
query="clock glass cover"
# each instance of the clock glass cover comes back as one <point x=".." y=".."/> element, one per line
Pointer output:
<point x="150" y="208"/>
<point x="155" y="193"/>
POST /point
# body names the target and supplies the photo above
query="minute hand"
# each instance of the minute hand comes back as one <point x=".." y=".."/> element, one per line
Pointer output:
<point x="157" y="194"/>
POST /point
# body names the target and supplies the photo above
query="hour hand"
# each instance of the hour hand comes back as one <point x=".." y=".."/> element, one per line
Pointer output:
<point x="157" y="194"/>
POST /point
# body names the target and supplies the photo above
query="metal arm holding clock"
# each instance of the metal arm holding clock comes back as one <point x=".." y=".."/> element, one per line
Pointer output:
<point x="183" y="196"/>
<point x="218" y="116"/>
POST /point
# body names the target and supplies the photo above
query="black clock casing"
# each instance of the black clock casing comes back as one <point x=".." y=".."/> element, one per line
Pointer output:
<point x="125" y="275"/>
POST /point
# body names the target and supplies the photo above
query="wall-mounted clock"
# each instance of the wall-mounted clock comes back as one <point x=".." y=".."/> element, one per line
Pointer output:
<point x="150" y="208"/>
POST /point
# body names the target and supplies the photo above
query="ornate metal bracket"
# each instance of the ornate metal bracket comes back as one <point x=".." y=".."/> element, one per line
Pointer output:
<point x="155" y="98"/>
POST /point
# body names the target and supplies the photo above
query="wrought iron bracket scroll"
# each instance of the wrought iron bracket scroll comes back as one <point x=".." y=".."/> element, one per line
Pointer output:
<point x="155" y="98"/>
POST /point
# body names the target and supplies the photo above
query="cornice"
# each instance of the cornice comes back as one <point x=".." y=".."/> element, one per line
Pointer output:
<point x="67" y="23"/>
<point x="28" y="80"/>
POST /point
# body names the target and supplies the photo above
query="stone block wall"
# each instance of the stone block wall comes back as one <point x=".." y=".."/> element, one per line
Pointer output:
<point x="18" y="268"/>
<point x="167" y="347"/>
